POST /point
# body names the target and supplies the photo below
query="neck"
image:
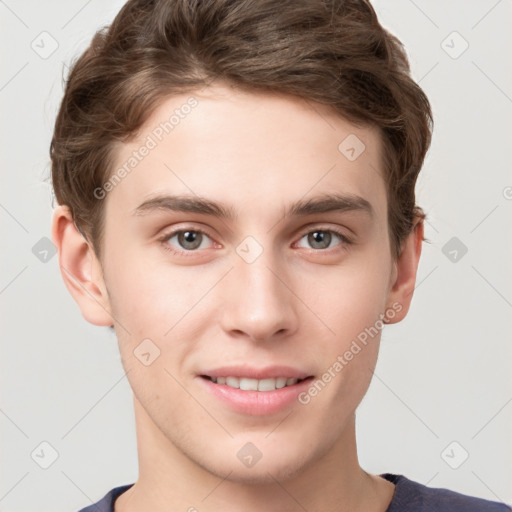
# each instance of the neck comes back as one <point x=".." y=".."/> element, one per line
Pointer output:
<point x="170" y="480"/>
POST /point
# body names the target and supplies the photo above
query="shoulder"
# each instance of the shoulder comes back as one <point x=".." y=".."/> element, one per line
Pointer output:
<point x="106" y="504"/>
<point x="412" y="496"/>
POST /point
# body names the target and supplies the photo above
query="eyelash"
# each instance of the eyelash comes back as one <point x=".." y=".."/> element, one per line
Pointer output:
<point x="165" y="238"/>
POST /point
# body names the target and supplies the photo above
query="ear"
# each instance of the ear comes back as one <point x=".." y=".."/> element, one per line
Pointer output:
<point x="403" y="279"/>
<point x="80" y="269"/>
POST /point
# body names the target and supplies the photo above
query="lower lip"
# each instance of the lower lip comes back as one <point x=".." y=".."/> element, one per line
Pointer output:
<point x="256" y="403"/>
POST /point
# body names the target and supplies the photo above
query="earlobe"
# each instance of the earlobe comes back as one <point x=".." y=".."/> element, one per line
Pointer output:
<point x="403" y="280"/>
<point x="80" y="269"/>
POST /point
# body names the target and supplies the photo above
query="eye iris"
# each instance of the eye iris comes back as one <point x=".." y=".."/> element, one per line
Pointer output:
<point x="322" y="237"/>
<point x="189" y="239"/>
<point x="192" y="239"/>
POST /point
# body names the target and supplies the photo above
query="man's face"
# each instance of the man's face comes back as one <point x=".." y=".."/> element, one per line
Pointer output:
<point x="194" y="295"/>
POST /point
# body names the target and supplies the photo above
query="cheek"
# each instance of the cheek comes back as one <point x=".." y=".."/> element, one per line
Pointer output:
<point x="148" y="298"/>
<point x="350" y="303"/>
<point x="157" y="311"/>
<point x="348" y="298"/>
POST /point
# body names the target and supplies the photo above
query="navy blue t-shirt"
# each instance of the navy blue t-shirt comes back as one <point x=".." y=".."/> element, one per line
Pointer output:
<point x="409" y="496"/>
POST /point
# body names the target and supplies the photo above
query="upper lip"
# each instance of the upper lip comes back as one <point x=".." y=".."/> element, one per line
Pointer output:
<point x="268" y="372"/>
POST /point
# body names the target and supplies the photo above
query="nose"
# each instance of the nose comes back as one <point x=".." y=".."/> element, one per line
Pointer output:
<point x="259" y="303"/>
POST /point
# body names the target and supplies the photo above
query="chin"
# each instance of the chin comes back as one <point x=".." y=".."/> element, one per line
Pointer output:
<point x="268" y="467"/>
<point x="259" y="474"/>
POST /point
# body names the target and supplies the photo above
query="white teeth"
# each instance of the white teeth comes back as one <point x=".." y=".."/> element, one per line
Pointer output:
<point x="232" y="382"/>
<point x="281" y="382"/>
<point x="247" y="384"/>
<point x="267" y="385"/>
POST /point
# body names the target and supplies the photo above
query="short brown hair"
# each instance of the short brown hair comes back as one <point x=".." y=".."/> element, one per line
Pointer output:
<point x="333" y="52"/>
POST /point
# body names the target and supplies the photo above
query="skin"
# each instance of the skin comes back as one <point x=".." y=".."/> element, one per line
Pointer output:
<point x="296" y="304"/>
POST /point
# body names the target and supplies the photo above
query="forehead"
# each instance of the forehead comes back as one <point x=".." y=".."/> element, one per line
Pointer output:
<point x="256" y="150"/>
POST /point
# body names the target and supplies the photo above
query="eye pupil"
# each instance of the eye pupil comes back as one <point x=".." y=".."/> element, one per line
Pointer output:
<point x="188" y="239"/>
<point x="321" y="237"/>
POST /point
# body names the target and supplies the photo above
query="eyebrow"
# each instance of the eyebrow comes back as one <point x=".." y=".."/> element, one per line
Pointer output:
<point x="195" y="204"/>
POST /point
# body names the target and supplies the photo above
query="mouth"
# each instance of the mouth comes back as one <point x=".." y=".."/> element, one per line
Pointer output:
<point x="254" y="391"/>
<point x="250" y="384"/>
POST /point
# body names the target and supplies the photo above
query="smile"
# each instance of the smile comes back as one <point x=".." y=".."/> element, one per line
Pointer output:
<point x="248" y="384"/>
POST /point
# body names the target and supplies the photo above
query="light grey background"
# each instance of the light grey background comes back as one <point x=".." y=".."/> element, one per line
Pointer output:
<point x="444" y="372"/>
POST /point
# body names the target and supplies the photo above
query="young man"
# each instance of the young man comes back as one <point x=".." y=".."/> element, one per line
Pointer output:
<point x="236" y="189"/>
